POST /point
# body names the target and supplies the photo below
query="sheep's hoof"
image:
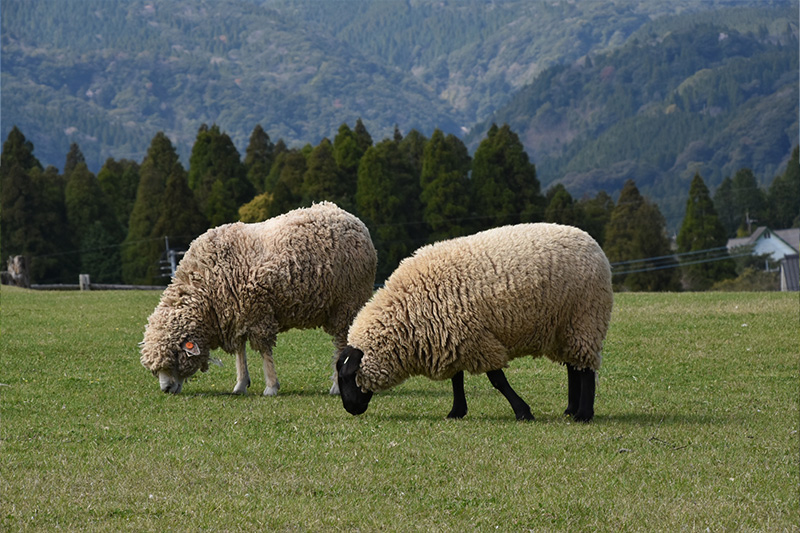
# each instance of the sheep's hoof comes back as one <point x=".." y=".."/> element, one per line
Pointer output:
<point x="240" y="388"/>
<point x="272" y="391"/>
<point x="457" y="414"/>
<point x="583" y="417"/>
<point x="525" y="416"/>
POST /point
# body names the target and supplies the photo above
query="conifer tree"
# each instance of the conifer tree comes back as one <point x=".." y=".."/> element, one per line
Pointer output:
<point x="384" y="198"/>
<point x="258" y="158"/>
<point x="32" y="214"/>
<point x="288" y="174"/>
<point x="636" y="232"/>
<point x="215" y="159"/>
<point x="784" y="195"/>
<point x="95" y="228"/>
<point x="347" y="152"/>
<point x="73" y="159"/>
<point x="179" y="219"/>
<point x="142" y="250"/>
<point x="561" y="208"/>
<point x="444" y="180"/>
<point x="505" y="184"/>
<point x="597" y="212"/>
<point x="363" y="138"/>
<point x="119" y="181"/>
<point x="322" y="180"/>
<point x="17" y="150"/>
<point x="725" y="205"/>
<point x="56" y="261"/>
<point x="749" y="201"/>
<point x="413" y="148"/>
<point x="702" y="230"/>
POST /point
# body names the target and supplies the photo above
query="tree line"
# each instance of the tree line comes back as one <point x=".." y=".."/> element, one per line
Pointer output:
<point x="410" y="190"/>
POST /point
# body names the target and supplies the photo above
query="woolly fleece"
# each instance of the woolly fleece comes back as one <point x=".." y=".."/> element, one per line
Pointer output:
<point x="475" y="303"/>
<point x="312" y="267"/>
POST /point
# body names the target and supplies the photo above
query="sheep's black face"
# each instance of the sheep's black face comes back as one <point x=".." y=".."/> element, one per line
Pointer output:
<point x="355" y="400"/>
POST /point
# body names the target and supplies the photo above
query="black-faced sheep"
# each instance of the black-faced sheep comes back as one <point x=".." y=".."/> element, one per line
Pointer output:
<point x="312" y="267"/>
<point x="475" y="303"/>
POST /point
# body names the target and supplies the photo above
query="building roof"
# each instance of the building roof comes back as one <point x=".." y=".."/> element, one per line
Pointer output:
<point x="790" y="237"/>
<point x="788" y="241"/>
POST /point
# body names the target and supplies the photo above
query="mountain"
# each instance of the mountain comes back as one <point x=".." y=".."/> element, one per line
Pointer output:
<point x="109" y="74"/>
<point x="685" y="94"/>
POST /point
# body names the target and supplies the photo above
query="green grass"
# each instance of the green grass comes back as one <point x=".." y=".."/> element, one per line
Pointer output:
<point x="695" y="429"/>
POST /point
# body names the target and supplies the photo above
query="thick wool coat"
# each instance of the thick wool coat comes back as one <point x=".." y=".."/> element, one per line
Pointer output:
<point x="475" y="303"/>
<point x="311" y="267"/>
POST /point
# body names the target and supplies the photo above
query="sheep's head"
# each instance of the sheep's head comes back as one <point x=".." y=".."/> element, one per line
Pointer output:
<point x="173" y="350"/>
<point x="354" y="399"/>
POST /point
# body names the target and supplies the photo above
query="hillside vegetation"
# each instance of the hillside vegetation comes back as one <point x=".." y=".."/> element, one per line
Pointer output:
<point x="676" y="100"/>
<point x="109" y="74"/>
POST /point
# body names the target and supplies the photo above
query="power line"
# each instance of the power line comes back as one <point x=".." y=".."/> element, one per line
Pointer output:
<point x="675" y="263"/>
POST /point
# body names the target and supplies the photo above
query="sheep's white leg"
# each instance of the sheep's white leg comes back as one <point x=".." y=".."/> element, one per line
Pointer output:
<point x="242" y="375"/>
<point x="270" y="376"/>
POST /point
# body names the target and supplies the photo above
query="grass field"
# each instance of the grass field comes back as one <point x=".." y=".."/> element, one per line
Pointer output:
<point x="696" y="429"/>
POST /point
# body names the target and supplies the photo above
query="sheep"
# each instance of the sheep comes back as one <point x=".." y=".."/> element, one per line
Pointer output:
<point x="311" y="267"/>
<point x="475" y="303"/>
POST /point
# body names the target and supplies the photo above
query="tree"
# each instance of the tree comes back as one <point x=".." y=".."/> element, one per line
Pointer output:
<point x="17" y="150"/>
<point x="505" y="184"/>
<point x="285" y="182"/>
<point x="32" y="215"/>
<point x="636" y="240"/>
<point x="257" y="209"/>
<point x="703" y="237"/>
<point x="119" y="181"/>
<point x="180" y="219"/>
<point x="749" y="201"/>
<point x="215" y="159"/>
<point x="384" y="198"/>
<point x="73" y="159"/>
<point x="363" y="138"/>
<point x="347" y="151"/>
<point x="784" y="195"/>
<point x="444" y="180"/>
<point x="141" y="251"/>
<point x="95" y="228"/>
<point x="258" y="159"/>
<point x="561" y="208"/>
<point x="322" y="180"/>
<point x="597" y="213"/>
<point x="725" y="205"/>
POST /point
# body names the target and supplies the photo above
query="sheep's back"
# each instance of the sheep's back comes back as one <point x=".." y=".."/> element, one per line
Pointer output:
<point x="295" y="267"/>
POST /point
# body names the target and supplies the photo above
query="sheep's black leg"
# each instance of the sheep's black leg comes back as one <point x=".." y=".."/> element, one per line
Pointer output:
<point x="459" y="409"/>
<point x="581" y="393"/>
<point x="499" y="381"/>
<point x="573" y="390"/>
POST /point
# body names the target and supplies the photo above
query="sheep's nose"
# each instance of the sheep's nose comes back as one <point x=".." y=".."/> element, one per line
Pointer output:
<point x="168" y="383"/>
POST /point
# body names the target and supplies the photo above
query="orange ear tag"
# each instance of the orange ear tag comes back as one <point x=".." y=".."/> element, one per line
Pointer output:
<point x="190" y="346"/>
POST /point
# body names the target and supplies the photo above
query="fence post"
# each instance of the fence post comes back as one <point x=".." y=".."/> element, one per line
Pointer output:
<point x="84" y="282"/>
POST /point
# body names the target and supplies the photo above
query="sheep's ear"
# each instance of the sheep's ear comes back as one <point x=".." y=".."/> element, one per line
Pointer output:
<point x="191" y="348"/>
<point x="349" y="361"/>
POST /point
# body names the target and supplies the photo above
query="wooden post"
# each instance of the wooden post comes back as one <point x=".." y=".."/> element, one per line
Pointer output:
<point x="83" y="281"/>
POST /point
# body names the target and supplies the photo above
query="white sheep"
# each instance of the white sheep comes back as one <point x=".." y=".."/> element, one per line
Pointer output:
<point x="475" y="303"/>
<point x="312" y="267"/>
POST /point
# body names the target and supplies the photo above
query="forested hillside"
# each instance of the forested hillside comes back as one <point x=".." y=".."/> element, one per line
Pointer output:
<point x="109" y="74"/>
<point x="685" y="95"/>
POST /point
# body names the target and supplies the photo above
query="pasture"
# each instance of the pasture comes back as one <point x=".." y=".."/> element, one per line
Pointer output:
<point x="696" y="429"/>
